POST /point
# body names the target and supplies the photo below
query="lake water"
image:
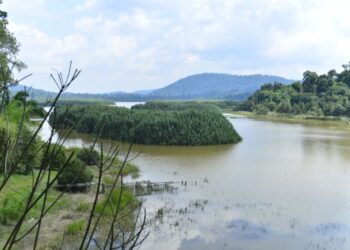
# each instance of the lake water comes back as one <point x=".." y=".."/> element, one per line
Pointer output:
<point x="285" y="186"/>
<point x="127" y="104"/>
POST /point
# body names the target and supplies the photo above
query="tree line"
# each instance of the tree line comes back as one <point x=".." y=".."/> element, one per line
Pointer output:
<point x="150" y="124"/>
<point x="316" y="95"/>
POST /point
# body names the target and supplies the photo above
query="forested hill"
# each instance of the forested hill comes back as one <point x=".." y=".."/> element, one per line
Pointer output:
<point x="216" y="86"/>
<point x="201" y="86"/>
<point x="316" y="95"/>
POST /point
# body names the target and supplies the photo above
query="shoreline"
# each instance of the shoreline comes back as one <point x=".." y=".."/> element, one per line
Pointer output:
<point x="297" y="119"/>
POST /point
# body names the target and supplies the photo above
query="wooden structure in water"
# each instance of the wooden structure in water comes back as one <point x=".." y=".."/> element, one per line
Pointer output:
<point x="139" y="188"/>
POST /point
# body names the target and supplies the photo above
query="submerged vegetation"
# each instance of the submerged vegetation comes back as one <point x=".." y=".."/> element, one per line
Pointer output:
<point x="151" y="124"/>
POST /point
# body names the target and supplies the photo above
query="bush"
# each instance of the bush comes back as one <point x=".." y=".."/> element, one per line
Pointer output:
<point x="89" y="157"/>
<point x="30" y="159"/>
<point x="75" y="172"/>
<point x="56" y="157"/>
<point x="11" y="208"/>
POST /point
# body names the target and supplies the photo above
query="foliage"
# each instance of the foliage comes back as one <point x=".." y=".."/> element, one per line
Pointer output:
<point x="55" y="158"/>
<point x="75" y="172"/>
<point x="122" y="197"/>
<point x="150" y="126"/>
<point x="9" y="48"/>
<point x="11" y="208"/>
<point x="20" y="134"/>
<point x="31" y="157"/>
<point x="316" y="95"/>
<point x="176" y="106"/>
<point x="88" y="156"/>
<point x="21" y="96"/>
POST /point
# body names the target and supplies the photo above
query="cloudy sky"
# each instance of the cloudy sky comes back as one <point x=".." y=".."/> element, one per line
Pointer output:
<point x="144" y="44"/>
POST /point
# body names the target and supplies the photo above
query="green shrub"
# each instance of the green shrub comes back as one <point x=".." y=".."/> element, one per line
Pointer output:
<point x="56" y="157"/>
<point x="75" y="172"/>
<point x="11" y="208"/>
<point x="30" y="158"/>
<point x="89" y="157"/>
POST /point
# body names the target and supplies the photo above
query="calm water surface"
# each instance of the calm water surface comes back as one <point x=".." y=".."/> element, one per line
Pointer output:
<point x="127" y="104"/>
<point x="285" y="186"/>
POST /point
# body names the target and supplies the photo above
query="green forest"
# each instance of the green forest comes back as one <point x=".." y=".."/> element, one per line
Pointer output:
<point x="316" y="95"/>
<point x="151" y="124"/>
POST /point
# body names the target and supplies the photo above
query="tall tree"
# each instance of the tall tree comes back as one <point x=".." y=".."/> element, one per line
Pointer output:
<point x="9" y="48"/>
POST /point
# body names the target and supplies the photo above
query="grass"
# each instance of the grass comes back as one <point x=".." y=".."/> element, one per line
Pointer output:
<point x="127" y="199"/>
<point x="13" y="199"/>
<point x="83" y="207"/>
<point x="68" y="214"/>
<point x="128" y="170"/>
<point x="76" y="227"/>
<point x="131" y="169"/>
<point x="14" y="196"/>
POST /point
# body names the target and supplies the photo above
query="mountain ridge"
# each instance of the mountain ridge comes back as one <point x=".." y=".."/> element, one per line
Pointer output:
<point x="198" y="86"/>
<point x="216" y="85"/>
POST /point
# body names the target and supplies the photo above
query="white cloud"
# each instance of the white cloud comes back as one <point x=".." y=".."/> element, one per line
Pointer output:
<point x="43" y="52"/>
<point x="159" y="42"/>
<point x="86" y="5"/>
<point x="192" y="59"/>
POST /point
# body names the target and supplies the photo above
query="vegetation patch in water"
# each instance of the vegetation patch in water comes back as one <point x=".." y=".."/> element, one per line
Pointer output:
<point x="163" y="124"/>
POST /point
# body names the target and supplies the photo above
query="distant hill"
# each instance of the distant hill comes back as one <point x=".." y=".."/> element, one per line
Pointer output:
<point x="216" y="86"/>
<point x="37" y="94"/>
<point x="201" y="86"/>
<point x="42" y="95"/>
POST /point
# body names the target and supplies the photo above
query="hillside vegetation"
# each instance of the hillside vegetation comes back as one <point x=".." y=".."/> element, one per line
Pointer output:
<point x="215" y="86"/>
<point x="171" y="125"/>
<point x="316" y="95"/>
<point x="201" y="86"/>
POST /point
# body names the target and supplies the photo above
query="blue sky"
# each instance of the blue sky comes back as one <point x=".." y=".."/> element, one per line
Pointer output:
<point x="144" y="44"/>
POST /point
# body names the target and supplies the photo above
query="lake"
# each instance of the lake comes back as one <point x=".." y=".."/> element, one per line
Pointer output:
<point x="127" y="104"/>
<point x="285" y="186"/>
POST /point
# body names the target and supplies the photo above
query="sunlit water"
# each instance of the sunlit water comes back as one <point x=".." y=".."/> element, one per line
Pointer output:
<point x="285" y="186"/>
<point x="127" y="104"/>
